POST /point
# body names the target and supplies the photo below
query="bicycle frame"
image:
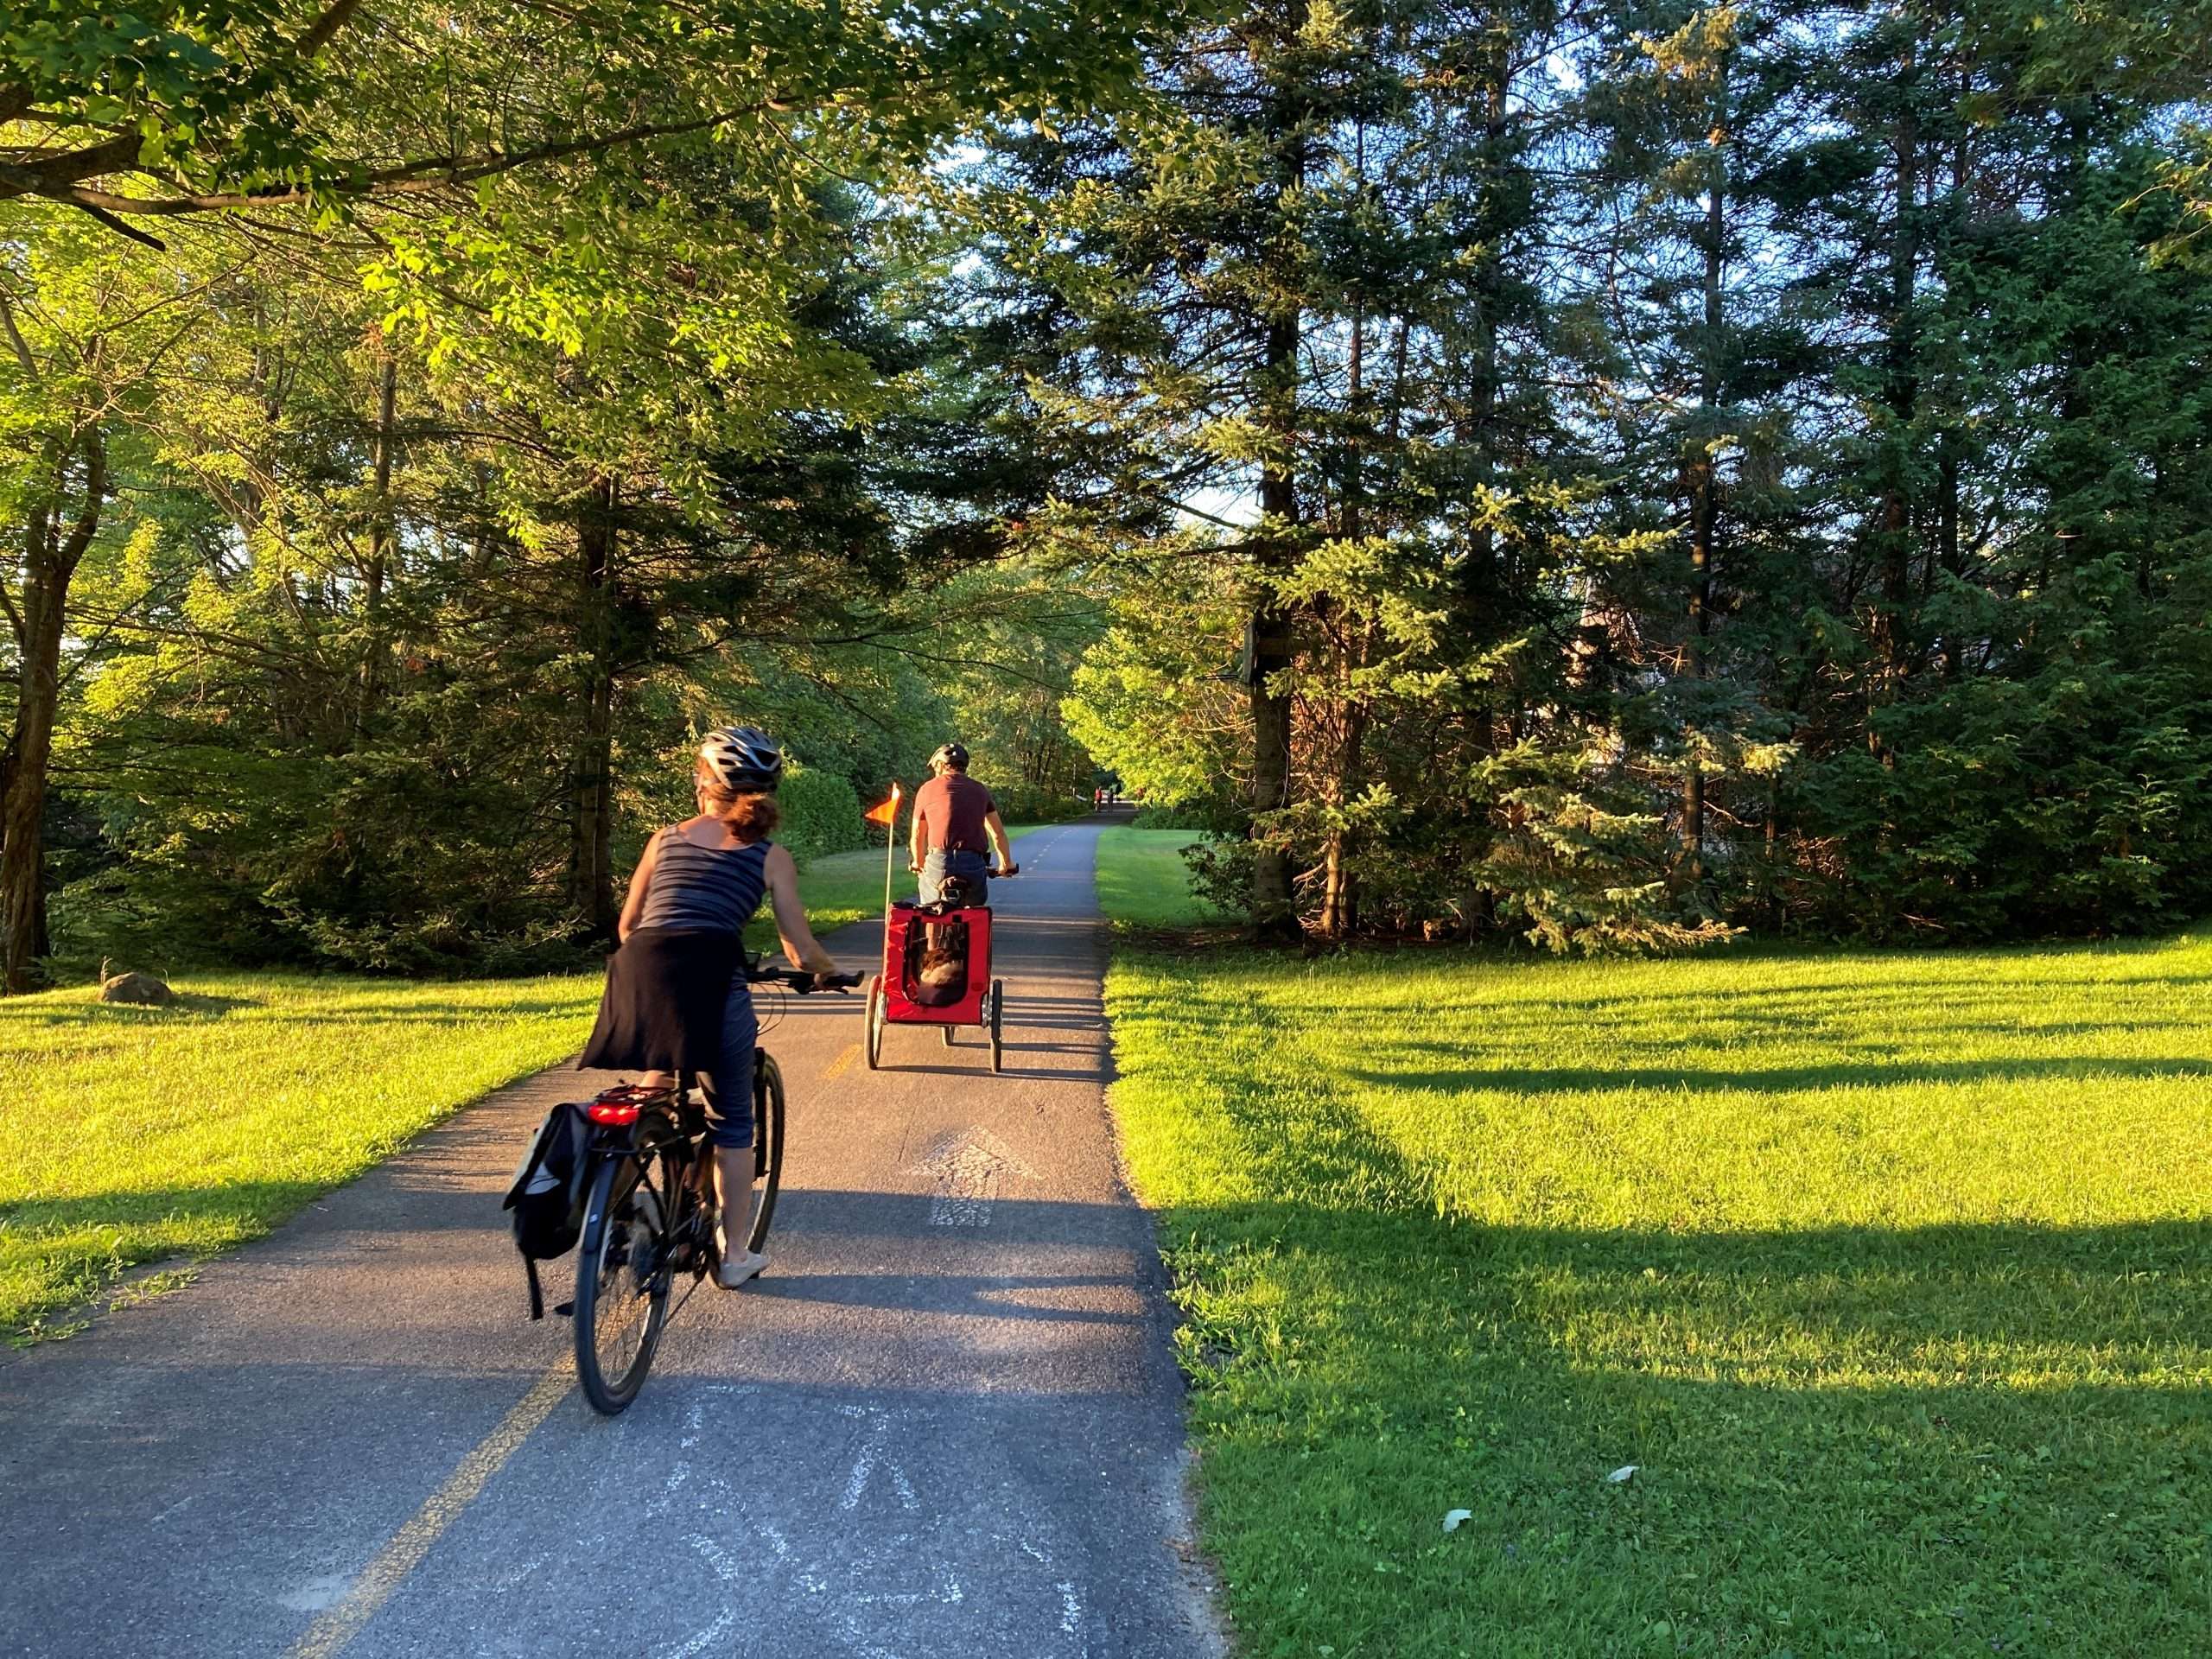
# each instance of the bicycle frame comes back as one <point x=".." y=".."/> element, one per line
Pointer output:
<point x="633" y="1131"/>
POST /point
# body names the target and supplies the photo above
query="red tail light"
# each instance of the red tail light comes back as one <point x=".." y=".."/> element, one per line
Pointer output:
<point x="618" y="1113"/>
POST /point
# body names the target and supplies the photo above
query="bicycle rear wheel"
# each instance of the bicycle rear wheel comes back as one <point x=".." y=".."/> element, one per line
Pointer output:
<point x="767" y="1144"/>
<point x="622" y="1277"/>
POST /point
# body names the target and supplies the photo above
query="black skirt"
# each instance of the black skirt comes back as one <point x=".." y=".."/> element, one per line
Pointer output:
<point x="663" y="1005"/>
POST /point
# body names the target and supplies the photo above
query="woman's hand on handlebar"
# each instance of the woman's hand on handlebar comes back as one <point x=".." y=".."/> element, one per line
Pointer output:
<point x="802" y="980"/>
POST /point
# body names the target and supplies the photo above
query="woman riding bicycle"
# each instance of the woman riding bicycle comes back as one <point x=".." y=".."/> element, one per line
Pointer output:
<point x="676" y="999"/>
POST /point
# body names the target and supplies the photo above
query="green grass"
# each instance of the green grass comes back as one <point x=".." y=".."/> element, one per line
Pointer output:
<point x="1891" y="1272"/>
<point x="1144" y="884"/>
<point x="131" y="1134"/>
<point x="837" y="889"/>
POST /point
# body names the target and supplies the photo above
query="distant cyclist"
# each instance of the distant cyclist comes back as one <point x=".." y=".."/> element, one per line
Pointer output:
<point x="676" y="998"/>
<point x="954" y="818"/>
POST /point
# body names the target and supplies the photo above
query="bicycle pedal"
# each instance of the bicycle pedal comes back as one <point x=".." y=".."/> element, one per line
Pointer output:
<point x="567" y="1310"/>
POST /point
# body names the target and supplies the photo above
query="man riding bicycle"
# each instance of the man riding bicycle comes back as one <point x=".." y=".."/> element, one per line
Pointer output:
<point x="954" y="817"/>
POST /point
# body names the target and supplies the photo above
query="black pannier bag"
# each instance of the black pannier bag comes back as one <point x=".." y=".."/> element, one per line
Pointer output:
<point x="547" y="1197"/>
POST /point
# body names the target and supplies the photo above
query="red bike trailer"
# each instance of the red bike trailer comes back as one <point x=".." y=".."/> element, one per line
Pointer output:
<point x="937" y="971"/>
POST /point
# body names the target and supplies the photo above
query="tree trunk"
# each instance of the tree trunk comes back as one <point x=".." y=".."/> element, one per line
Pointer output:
<point x="1477" y="359"/>
<point x="591" y="822"/>
<point x="1902" y="394"/>
<point x="1340" y="890"/>
<point x="383" y="533"/>
<point x="50" y="561"/>
<point x="1274" y="913"/>
<point x="1705" y="507"/>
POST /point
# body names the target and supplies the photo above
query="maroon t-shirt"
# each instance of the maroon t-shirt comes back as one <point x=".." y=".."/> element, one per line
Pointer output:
<point x="953" y="809"/>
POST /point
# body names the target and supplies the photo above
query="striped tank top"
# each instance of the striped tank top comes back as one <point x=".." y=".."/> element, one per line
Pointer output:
<point x="704" y="889"/>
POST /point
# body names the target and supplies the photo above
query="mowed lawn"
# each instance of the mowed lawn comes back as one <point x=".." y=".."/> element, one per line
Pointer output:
<point x="1891" y="1273"/>
<point x="1143" y="882"/>
<point x="130" y="1134"/>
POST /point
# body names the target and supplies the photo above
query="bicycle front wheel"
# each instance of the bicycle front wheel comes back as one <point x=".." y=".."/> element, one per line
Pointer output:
<point x="767" y="1144"/>
<point x="622" y="1277"/>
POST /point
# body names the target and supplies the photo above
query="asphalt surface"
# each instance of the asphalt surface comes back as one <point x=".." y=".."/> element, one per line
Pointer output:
<point x="945" y="1422"/>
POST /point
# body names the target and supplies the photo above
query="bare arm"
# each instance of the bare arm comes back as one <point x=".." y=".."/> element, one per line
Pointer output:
<point x="633" y="905"/>
<point x="918" y="837"/>
<point x="994" y="827"/>
<point x="801" y="948"/>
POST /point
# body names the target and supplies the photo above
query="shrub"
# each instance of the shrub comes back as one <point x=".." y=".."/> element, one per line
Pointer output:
<point x="1215" y="818"/>
<point x="822" y="814"/>
<point x="1037" y="804"/>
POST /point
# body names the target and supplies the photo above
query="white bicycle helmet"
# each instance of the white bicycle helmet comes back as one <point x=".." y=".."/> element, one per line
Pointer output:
<point x="743" y="757"/>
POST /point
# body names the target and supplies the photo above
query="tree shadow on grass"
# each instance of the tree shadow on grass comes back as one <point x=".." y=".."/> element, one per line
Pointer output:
<point x="419" y="1011"/>
<point x="1969" y="1439"/>
<point x="1940" y="1439"/>
<point x="1841" y="1035"/>
<point x="187" y="1007"/>
<point x="1857" y="1073"/>
<point x="194" y="1006"/>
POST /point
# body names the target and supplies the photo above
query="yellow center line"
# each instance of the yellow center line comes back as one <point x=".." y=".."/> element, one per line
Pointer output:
<point x="389" y="1568"/>
<point x="836" y="1067"/>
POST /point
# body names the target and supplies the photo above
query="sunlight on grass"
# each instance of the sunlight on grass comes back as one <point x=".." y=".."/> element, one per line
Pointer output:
<point x="838" y="889"/>
<point x="1143" y="882"/>
<point x="1890" y="1271"/>
<point x="128" y="1135"/>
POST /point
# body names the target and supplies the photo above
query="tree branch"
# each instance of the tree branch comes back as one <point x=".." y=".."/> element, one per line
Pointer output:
<point x="60" y="180"/>
<point x="334" y="19"/>
<point x="15" y="617"/>
<point x="80" y="533"/>
<point x="121" y="228"/>
<point x="15" y="339"/>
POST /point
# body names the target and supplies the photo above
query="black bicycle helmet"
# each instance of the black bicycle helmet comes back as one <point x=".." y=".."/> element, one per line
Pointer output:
<point x="952" y="754"/>
<point x="743" y="757"/>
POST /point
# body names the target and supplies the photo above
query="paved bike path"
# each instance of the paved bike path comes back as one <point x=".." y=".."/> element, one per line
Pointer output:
<point x="946" y="1423"/>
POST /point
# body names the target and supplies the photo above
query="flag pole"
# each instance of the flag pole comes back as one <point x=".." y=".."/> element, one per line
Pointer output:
<point x="890" y="841"/>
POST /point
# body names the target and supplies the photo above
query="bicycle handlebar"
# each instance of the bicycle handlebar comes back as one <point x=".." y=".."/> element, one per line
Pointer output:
<point x="798" y="979"/>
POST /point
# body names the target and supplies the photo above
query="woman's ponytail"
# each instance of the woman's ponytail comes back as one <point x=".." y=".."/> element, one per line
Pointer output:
<point x="751" y="814"/>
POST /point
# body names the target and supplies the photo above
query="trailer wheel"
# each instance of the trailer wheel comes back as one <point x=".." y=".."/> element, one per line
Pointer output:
<point x="874" y="1045"/>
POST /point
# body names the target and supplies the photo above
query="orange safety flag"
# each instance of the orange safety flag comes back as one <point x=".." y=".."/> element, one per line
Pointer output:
<point x="886" y="814"/>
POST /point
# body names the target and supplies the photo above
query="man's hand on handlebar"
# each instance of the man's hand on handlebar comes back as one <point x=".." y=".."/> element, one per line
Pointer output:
<point x="1009" y="867"/>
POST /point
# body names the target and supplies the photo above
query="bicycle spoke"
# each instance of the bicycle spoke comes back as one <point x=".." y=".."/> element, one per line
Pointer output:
<point x="625" y="1284"/>
<point x="623" y="1279"/>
